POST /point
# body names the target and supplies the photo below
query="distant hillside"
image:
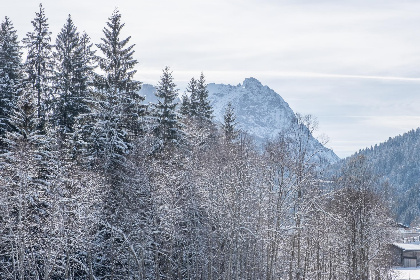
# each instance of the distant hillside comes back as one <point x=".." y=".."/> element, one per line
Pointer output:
<point x="398" y="161"/>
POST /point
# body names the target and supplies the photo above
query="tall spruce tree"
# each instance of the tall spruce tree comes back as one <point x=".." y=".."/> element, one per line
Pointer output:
<point x="10" y="75"/>
<point x="229" y="124"/>
<point x="193" y="93"/>
<point x="72" y="78"/>
<point x="168" y="128"/>
<point x="204" y="109"/>
<point x="197" y="105"/>
<point x="118" y="84"/>
<point x="39" y="63"/>
<point x="117" y="120"/>
<point x="84" y="99"/>
<point x="116" y="108"/>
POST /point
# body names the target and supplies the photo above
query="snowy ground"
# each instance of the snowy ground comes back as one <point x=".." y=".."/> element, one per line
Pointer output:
<point x="407" y="273"/>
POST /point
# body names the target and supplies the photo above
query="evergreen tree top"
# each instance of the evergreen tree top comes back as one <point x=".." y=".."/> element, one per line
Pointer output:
<point x="229" y="124"/>
<point x="166" y="87"/>
<point x="10" y="74"/>
<point x="118" y="63"/>
<point x="205" y="110"/>
<point x="192" y="86"/>
<point x="67" y="44"/>
<point x="41" y="31"/>
<point x="198" y="105"/>
<point x="10" y="54"/>
<point x="8" y="31"/>
<point x="38" y="44"/>
<point x="68" y="31"/>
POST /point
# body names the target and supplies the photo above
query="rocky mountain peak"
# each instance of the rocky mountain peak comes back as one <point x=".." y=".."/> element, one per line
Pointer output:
<point x="252" y="83"/>
<point x="260" y="111"/>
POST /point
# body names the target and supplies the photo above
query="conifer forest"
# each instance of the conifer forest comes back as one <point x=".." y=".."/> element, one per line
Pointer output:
<point x="96" y="183"/>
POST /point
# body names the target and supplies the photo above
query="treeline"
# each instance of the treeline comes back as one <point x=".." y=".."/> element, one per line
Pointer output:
<point x="96" y="185"/>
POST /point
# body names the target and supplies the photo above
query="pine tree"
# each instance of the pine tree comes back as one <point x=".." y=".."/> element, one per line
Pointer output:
<point x="117" y="112"/>
<point x="66" y="47"/>
<point x="168" y="127"/>
<point x="229" y="124"/>
<point x="108" y="132"/>
<point x="39" y="63"/>
<point x="204" y="109"/>
<point x="72" y="78"/>
<point x="85" y="100"/>
<point x="10" y="75"/>
<point x="185" y="105"/>
<point x="118" y="85"/>
<point x="194" y="101"/>
<point x="198" y="106"/>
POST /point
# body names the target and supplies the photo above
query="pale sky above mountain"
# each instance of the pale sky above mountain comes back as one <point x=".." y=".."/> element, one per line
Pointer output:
<point x="353" y="64"/>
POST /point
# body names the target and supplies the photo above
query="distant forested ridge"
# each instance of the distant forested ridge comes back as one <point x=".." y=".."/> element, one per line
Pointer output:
<point x="397" y="161"/>
<point x="95" y="184"/>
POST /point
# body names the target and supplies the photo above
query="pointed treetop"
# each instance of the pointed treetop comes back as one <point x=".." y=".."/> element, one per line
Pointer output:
<point x="40" y="19"/>
<point x="41" y="34"/>
<point x="114" y="24"/>
<point x="166" y="86"/>
<point x="10" y="75"/>
<point x="205" y="110"/>
<point x="118" y="63"/>
<point x="6" y="22"/>
<point x="8" y="37"/>
<point x="229" y="124"/>
<point x="168" y="128"/>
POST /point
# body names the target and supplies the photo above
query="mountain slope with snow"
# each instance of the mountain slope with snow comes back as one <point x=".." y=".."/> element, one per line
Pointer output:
<point x="260" y="111"/>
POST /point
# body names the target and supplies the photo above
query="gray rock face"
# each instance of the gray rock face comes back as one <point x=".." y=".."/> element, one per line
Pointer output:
<point x="148" y="91"/>
<point x="261" y="112"/>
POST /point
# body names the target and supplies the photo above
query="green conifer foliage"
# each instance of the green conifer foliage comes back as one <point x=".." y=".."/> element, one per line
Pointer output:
<point x="194" y="101"/>
<point x="229" y="124"/>
<point x="117" y="84"/>
<point x="72" y="78"/>
<point x="168" y="127"/>
<point x="39" y="63"/>
<point x="204" y="109"/>
<point x="10" y="74"/>
<point x="185" y="105"/>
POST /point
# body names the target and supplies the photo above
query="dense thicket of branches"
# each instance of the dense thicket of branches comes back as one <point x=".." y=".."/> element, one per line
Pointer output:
<point x="94" y="185"/>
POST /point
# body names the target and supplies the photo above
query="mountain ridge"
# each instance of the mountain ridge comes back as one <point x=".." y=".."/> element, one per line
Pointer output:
<point x="259" y="110"/>
<point x="396" y="162"/>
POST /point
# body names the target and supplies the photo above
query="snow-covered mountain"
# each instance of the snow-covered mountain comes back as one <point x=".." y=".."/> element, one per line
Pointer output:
<point x="148" y="91"/>
<point x="260" y="111"/>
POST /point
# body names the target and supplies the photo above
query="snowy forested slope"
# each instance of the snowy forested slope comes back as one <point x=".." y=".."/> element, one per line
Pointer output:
<point x="398" y="162"/>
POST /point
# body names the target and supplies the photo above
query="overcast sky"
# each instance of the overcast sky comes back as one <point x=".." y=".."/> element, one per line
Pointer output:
<point x="353" y="64"/>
